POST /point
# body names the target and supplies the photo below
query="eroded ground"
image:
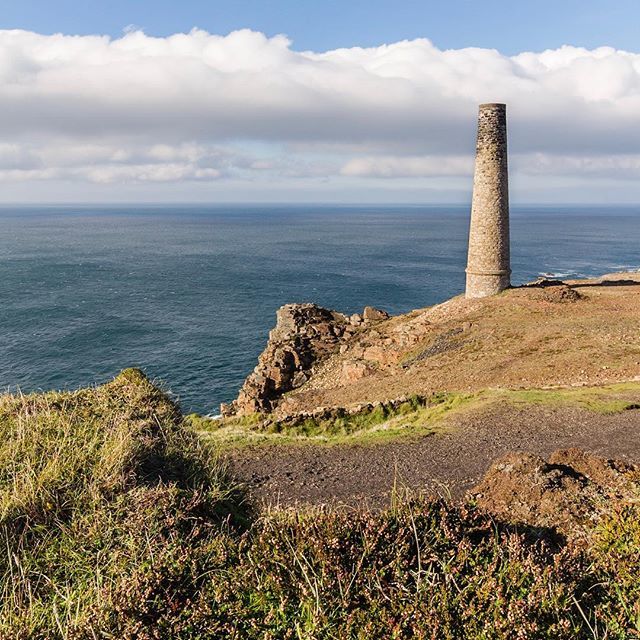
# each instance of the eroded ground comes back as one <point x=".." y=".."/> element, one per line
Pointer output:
<point x="577" y="335"/>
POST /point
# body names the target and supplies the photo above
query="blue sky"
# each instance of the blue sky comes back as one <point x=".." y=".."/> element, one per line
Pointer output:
<point x="361" y="101"/>
<point x="511" y="26"/>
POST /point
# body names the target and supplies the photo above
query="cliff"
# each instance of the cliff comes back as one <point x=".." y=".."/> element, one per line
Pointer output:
<point x="304" y="336"/>
<point x="120" y="520"/>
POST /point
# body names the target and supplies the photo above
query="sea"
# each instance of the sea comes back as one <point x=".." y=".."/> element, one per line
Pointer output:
<point x="189" y="293"/>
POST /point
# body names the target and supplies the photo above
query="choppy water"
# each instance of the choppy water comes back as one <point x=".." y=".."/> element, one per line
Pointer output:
<point x="189" y="293"/>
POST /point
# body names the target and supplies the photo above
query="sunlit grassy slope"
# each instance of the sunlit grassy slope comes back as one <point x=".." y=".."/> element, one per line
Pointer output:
<point x="415" y="417"/>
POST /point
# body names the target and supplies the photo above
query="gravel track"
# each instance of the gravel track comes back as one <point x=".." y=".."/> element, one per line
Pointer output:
<point x="446" y="463"/>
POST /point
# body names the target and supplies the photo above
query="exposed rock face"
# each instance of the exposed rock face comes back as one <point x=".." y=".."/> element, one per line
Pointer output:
<point x="353" y="370"/>
<point x="371" y="314"/>
<point x="547" y="333"/>
<point x="569" y="492"/>
<point x="304" y="335"/>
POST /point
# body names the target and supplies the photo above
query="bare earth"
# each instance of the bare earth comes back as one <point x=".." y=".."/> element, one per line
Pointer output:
<point x="447" y="463"/>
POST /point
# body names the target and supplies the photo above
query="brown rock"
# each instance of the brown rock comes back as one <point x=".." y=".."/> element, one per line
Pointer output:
<point x="304" y="335"/>
<point x="555" y="290"/>
<point x="227" y="409"/>
<point x="371" y="314"/>
<point x="562" y="293"/>
<point x="355" y="370"/>
<point x="380" y="354"/>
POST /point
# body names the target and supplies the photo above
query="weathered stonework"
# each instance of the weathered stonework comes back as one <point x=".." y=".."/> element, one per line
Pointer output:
<point x="488" y="265"/>
<point x="319" y="414"/>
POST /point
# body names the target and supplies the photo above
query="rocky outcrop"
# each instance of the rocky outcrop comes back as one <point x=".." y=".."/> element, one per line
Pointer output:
<point x="304" y="335"/>
<point x="371" y="314"/>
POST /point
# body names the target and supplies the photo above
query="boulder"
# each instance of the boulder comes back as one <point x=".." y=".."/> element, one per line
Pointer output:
<point x="354" y="370"/>
<point x="381" y="354"/>
<point x="371" y="314"/>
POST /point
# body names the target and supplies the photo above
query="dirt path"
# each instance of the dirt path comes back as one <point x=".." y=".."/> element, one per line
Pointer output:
<point x="448" y="463"/>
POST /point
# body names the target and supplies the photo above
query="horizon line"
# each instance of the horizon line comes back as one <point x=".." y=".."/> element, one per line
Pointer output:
<point x="294" y="203"/>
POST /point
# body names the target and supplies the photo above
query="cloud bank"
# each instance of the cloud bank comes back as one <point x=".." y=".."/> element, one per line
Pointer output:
<point x="248" y="109"/>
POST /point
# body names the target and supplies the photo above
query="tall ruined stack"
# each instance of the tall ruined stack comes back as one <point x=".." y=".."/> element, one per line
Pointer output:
<point x="488" y="265"/>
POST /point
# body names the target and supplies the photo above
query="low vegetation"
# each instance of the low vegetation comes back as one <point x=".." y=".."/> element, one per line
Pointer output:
<point x="383" y="421"/>
<point x="417" y="416"/>
<point x="117" y="521"/>
<point x="428" y="570"/>
<point x="104" y="500"/>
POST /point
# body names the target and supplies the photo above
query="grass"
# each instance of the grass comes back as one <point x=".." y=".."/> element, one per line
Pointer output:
<point x="416" y="417"/>
<point x="118" y="521"/>
<point x="607" y="399"/>
<point x="95" y="484"/>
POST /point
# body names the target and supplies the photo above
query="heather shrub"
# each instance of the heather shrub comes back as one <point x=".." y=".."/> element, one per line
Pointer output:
<point x="423" y="570"/>
<point x="117" y="521"/>
<point x="615" y="553"/>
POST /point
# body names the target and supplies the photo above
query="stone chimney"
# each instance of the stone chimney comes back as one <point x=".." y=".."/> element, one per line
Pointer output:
<point x="488" y="264"/>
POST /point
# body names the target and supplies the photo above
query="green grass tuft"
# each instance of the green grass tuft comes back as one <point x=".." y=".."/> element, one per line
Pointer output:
<point x="605" y="399"/>
<point x="416" y="416"/>
<point x="97" y="487"/>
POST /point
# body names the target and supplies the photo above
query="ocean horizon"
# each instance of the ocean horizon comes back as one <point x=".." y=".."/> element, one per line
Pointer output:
<point x="189" y="292"/>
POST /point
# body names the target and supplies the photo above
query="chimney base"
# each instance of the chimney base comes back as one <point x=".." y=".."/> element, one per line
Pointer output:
<point x="486" y="283"/>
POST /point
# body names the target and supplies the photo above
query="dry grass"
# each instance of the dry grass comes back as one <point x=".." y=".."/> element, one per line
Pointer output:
<point x="92" y="485"/>
<point x="518" y="339"/>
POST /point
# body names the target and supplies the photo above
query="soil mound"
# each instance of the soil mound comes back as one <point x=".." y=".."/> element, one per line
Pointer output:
<point x="553" y="291"/>
<point x="561" y="293"/>
<point x="570" y="492"/>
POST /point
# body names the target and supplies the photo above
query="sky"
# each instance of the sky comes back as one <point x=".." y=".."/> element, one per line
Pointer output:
<point x="308" y="101"/>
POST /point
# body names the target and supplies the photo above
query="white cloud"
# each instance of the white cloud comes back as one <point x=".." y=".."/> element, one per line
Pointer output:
<point x="621" y="166"/>
<point x="408" y="166"/>
<point x="202" y="107"/>
<point x="112" y="163"/>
